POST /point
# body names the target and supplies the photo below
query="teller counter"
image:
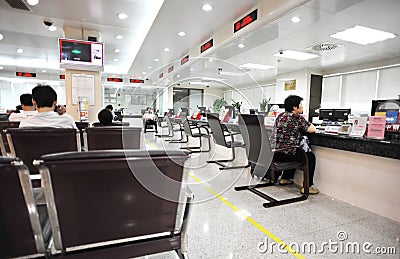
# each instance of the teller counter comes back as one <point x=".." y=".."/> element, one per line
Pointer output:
<point x="363" y="172"/>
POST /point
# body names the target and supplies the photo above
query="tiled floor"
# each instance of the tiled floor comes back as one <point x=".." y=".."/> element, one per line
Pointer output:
<point x="236" y="225"/>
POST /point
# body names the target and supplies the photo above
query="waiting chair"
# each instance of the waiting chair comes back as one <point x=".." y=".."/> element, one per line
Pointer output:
<point x="21" y="227"/>
<point x="81" y="126"/>
<point x="5" y="149"/>
<point x="172" y="129"/>
<point x="31" y="143"/>
<point x="188" y="129"/>
<point x="259" y="151"/>
<point x="115" y="123"/>
<point x="219" y="136"/>
<point x="116" y="203"/>
<point x="112" y="137"/>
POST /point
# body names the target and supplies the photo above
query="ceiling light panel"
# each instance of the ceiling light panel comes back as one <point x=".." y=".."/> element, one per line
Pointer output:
<point x="256" y="66"/>
<point x="297" y="55"/>
<point x="181" y="33"/>
<point x="122" y="16"/>
<point x="363" y="35"/>
<point x="207" y="7"/>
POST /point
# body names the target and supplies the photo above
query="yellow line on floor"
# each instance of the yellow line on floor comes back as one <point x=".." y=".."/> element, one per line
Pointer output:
<point x="235" y="209"/>
<point x="150" y="144"/>
<point x="248" y="218"/>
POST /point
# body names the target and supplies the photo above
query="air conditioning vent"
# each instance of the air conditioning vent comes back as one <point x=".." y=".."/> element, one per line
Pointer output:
<point x="18" y="4"/>
<point x="325" y="46"/>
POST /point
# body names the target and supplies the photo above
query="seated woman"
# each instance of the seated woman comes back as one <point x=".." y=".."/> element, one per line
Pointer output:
<point x="105" y="117"/>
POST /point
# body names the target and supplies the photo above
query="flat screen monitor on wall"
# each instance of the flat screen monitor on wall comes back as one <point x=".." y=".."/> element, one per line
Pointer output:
<point x="79" y="54"/>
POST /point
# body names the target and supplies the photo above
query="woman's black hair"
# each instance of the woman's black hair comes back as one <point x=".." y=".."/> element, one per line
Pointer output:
<point x="105" y="117"/>
<point x="292" y="101"/>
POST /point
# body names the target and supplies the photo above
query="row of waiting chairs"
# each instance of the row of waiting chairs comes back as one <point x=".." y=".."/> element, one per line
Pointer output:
<point x="100" y="204"/>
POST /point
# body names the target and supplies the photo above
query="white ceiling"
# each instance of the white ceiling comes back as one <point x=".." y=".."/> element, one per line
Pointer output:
<point x="139" y="48"/>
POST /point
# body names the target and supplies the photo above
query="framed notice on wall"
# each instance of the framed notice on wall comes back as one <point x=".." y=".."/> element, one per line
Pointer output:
<point x="82" y="86"/>
<point x="290" y="85"/>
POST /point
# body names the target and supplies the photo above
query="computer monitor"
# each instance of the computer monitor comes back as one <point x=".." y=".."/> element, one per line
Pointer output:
<point x="326" y="114"/>
<point x="171" y="112"/>
<point x="185" y="110"/>
<point x="341" y="115"/>
<point x="143" y="111"/>
<point x="253" y="111"/>
<point x="202" y="109"/>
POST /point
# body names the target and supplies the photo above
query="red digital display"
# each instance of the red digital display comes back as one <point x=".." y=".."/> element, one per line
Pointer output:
<point x="161" y="75"/>
<point x="251" y="17"/>
<point x="206" y="45"/>
<point x="184" y="60"/>
<point x="115" y="79"/>
<point x="62" y="77"/>
<point x="136" y="81"/>
<point x="170" y="69"/>
<point x="24" y="74"/>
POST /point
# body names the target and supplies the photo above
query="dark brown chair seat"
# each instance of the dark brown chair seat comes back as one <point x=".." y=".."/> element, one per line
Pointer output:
<point x="260" y="152"/>
<point x="21" y="229"/>
<point x="189" y="131"/>
<point x="121" y="196"/>
<point x="112" y="137"/>
<point x="5" y="149"/>
<point x="29" y="144"/>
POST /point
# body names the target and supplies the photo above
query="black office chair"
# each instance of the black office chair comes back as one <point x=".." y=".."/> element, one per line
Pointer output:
<point x="23" y="232"/>
<point x="259" y="151"/>
<point x="188" y="129"/>
<point x="172" y="129"/>
<point x="119" y="200"/>
<point x="219" y="135"/>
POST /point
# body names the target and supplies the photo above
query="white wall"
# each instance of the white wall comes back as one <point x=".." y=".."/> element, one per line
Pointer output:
<point x="211" y="94"/>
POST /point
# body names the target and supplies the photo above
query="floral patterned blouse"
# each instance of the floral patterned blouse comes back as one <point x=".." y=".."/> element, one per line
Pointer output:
<point x="288" y="129"/>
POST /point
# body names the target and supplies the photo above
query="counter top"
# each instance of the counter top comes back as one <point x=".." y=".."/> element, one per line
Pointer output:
<point x="383" y="148"/>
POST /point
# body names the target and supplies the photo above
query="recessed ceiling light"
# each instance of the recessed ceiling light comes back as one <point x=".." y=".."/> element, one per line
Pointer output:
<point x="117" y="50"/>
<point x="363" y="35"/>
<point x="256" y="66"/>
<point x="33" y="2"/>
<point x="122" y="16"/>
<point x="297" y="55"/>
<point x="115" y="59"/>
<point x="1" y="36"/>
<point x="144" y="73"/>
<point x="296" y="19"/>
<point x="52" y="28"/>
<point x="156" y="60"/>
<point x="166" y="49"/>
<point x="192" y="69"/>
<point x="119" y="37"/>
<point x="241" y="45"/>
<point x="1" y="68"/>
<point x="20" y="51"/>
<point x="207" y="7"/>
<point x="181" y="33"/>
<point x="178" y="76"/>
<point x="149" y="67"/>
<point x="44" y="71"/>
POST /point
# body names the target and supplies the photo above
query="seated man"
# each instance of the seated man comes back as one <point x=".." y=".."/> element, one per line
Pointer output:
<point x="44" y="98"/>
<point x="289" y="127"/>
<point x="149" y="118"/>
<point x="28" y="109"/>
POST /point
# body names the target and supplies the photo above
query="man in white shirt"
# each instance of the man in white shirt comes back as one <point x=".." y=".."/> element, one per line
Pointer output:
<point x="45" y="100"/>
<point x="149" y="118"/>
<point x="28" y="109"/>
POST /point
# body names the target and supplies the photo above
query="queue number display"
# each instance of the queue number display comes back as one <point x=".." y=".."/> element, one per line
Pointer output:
<point x="115" y="79"/>
<point x="136" y="81"/>
<point x="184" y="60"/>
<point x="25" y="74"/>
<point x="251" y="17"/>
<point x="161" y="75"/>
<point x="170" y="69"/>
<point x="206" y="45"/>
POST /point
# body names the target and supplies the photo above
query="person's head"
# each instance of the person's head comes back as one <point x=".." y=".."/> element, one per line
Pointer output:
<point x="110" y="107"/>
<point x="44" y="96"/>
<point x="105" y="117"/>
<point x="26" y="102"/>
<point x="148" y="109"/>
<point x="294" y="103"/>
